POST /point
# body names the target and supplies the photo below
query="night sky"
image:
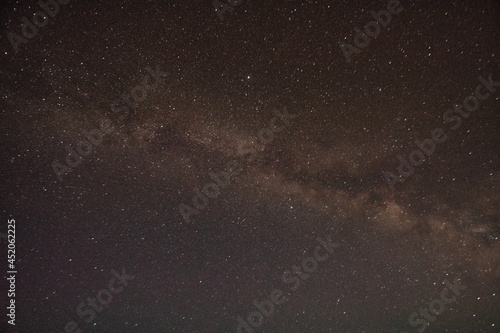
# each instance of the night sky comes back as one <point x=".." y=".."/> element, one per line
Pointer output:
<point x="173" y="164"/>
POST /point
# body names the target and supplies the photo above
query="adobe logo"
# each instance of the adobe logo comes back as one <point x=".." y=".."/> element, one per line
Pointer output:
<point x="40" y="19"/>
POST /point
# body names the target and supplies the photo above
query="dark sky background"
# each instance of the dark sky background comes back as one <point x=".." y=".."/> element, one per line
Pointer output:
<point x="322" y="175"/>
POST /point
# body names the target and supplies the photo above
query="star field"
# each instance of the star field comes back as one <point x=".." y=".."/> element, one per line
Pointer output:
<point x="116" y="115"/>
